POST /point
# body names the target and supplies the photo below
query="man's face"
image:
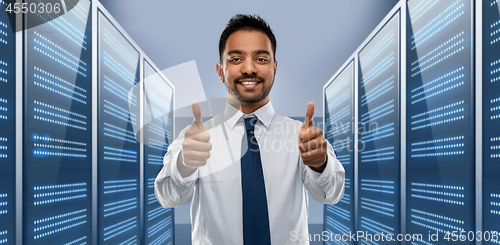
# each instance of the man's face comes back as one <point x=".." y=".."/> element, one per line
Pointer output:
<point x="248" y="67"/>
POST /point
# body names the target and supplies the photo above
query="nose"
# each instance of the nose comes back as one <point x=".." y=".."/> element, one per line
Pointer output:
<point x="248" y="67"/>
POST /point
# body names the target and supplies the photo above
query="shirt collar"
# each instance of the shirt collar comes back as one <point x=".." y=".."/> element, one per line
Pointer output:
<point x="265" y="114"/>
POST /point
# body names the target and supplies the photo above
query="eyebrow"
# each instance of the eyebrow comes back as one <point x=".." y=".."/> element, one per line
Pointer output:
<point x="262" y="52"/>
<point x="237" y="51"/>
<point x="234" y="51"/>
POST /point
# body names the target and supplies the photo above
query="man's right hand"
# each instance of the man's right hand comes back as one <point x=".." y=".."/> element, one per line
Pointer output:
<point x="196" y="145"/>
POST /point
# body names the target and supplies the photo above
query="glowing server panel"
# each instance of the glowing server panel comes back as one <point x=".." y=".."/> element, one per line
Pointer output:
<point x="339" y="114"/>
<point x="158" y="133"/>
<point x="7" y="128"/>
<point x="57" y="128"/>
<point x="491" y="118"/>
<point x="440" y="184"/>
<point x="118" y="149"/>
<point x="379" y="132"/>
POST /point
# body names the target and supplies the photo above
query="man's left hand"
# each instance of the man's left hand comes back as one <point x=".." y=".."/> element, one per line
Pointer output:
<point x="312" y="144"/>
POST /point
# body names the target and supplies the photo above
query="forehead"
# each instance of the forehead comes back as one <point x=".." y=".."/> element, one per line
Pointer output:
<point x="248" y="42"/>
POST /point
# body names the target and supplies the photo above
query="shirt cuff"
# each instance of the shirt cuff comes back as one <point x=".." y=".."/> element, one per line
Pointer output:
<point x="325" y="177"/>
<point x="182" y="184"/>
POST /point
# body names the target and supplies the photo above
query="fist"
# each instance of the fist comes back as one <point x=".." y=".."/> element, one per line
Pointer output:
<point x="196" y="145"/>
<point x="312" y="144"/>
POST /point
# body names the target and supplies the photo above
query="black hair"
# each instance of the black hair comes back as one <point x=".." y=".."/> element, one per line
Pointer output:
<point x="247" y="23"/>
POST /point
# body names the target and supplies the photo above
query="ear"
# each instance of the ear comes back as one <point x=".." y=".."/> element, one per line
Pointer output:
<point x="218" y="68"/>
<point x="275" y="67"/>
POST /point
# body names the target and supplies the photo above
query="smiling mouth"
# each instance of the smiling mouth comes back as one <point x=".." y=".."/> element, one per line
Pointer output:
<point x="248" y="83"/>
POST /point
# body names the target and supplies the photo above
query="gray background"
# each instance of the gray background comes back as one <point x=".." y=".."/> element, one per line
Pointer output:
<point x="314" y="38"/>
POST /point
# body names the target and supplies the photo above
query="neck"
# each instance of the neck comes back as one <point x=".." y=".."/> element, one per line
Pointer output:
<point x="248" y="108"/>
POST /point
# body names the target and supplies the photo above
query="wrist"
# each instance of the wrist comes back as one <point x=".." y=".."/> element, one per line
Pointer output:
<point x="319" y="168"/>
<point x="184" y="169"/>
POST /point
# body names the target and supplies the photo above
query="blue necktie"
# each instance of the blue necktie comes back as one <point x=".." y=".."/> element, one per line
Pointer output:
<point x="255" y="215"/>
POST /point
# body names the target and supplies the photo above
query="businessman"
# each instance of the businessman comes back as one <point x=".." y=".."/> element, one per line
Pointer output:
<point x="247" y="176"/>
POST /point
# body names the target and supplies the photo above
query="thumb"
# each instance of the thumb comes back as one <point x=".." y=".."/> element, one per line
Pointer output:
<point x="197" y="115"/>
<point x="308" y="122"/>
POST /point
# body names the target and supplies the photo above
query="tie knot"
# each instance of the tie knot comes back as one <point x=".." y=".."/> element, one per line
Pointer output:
<point x="250" y="123"/>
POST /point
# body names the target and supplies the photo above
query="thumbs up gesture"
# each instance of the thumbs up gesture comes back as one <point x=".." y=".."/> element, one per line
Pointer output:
<point x="196" y="146"/>
<point x="312" y="144"/>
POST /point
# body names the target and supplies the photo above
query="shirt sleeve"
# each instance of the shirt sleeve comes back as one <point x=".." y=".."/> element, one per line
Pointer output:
<point x="171" y="189"/>
<point x="326" y="187"/>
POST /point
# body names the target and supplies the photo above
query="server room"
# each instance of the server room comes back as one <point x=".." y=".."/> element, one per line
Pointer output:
<point x="93" y="93"/>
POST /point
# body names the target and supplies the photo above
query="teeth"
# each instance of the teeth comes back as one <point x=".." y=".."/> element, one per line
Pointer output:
<point x="248" y="83"/>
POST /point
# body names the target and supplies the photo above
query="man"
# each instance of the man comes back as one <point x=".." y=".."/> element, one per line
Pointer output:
<point x="247" y="176"/>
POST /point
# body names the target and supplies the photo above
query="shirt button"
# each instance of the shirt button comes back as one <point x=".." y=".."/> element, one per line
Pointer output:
<point x="182" y="183"/>
<point x="323" y="179"/>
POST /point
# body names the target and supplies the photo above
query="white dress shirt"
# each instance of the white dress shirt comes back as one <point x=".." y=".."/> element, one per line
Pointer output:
<point x="215" y="189"/>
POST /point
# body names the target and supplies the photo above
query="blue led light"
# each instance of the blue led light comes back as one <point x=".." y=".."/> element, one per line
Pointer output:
<point x="440" y="22"/>
<point x="376" y="227"/>
<point x="164" y="237"/>
<point x="383" y="208"/>
<point x="378" y="133"/>
<point x="81" y="43"/>
<point x="157" y="212"/>
<point x="455" y="83"/>
<point x="439" y="147"/>
<point x="438" y="193"/>
<point x="383" y="88"/>
<point x="62" y="83"/>
<point x="116" y="186"/>
<point x="119" y="228"/>
<point x="421" y="68"/>
<point x="442" y="50"/>
<point x="115" y="66"/>
<point x="162" y="224"/>
<point x="382" y="186"/>
<point x="119" y="91"/>
<point x="118" y="133"/>
<point x="420" y="9"/>
<point x="79" y="241"/>
<point x="120" y="50"/>
<point x="342" y="229"/>
<point x="338" y="116"/>
<point x="3" y="203"/>
<point x="154" y="159"/>
<point x="347" y="185"/>
<point x="59" y="193"/>
<point x="117" y="207"/>
<point x="115" y="154"/>
<point x="341" y="82"/>
<point x="339" y="212"/>
<point x="59" y="223"/>
<point x="379" y="48"/>
<point x="152" y="198"/>
<point x="344" y="159"/>
<point x="382" y="154"/>
<point x="72" y="58"/>
<point x="385" y="64"/>
<point x="49" y="55"/>
<point x="119" y="112"/>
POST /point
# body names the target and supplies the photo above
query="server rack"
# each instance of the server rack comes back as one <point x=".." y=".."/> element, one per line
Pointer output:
<point x="490" y="59"/>
<point x="448" y="174"/>
<point x="57" y="127"/>
<point x="158" y="135"/>
<point x="440" y="118"/>
<point x="379" y="131"/>
<point x="54" y="189"/>
<point x="118" y="154"/>
<point x="7" y="128"/>
<point x="339" y="130"/>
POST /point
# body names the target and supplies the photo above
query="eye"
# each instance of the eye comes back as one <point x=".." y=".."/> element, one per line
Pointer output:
<point x="262" y="59"/>
<point x="234" y="59"/>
